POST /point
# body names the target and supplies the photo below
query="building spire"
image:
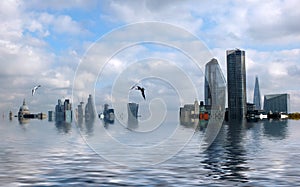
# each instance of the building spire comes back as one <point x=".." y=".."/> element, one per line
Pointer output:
<point x="257" y="97"/>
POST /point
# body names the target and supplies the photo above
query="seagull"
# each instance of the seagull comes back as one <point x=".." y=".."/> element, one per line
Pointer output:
<point x="34" y="89"/>
<point x="141" y="89"/>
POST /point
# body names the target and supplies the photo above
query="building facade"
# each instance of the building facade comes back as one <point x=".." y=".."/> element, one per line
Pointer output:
<point x="90" y="112"/>
<point x="256" y="96"/>
<point x="214" y="85"/>
<point x="277" y="103"/>
<point x="24" y="110"/>
<point x="63" y="111"/>
<point x="236" y="84"/>
<point x="80" y="112"/>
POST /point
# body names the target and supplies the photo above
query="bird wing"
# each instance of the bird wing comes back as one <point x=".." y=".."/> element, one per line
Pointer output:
<point x="143" y="94"/>
<point x="32" y="91"/>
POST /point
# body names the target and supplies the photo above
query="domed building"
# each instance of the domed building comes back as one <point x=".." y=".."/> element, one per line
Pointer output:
<point x="23" y="110"/>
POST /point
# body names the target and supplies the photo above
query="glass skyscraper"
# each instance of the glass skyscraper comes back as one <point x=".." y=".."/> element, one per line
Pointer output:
<point x="256" y="96"/>
<point x="236" y="84"/>
<point x="277" y="103"/>
<point x="215" y="84"/>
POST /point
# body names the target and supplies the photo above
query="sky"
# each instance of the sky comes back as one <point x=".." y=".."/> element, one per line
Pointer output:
<point x="48" y="43"/>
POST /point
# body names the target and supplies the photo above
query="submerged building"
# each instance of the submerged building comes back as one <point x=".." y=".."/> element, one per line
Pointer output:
<point x="256" y="96"/>
<point x="236" y="81"/>
<point x="214" y="85"/>
<point x="277" y="103"/>
<point x="23" y="111"/>
<point x="133" y="109"/>
<point x="80" y="113"/>
<point x="189" y="111"/>
<point x="63" y="111"/>
<point x="90" y="112"/>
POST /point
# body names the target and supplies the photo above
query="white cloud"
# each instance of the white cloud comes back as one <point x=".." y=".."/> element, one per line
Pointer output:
<point x="268" y="31"/>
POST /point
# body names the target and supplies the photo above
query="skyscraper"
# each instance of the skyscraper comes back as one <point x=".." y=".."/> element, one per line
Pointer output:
<point x="63" y="111"/>
<point x="236" y="80"/>
<point x="256" y="96"/>
<point x="215" y="84"/>
<point x="90" y="112"/>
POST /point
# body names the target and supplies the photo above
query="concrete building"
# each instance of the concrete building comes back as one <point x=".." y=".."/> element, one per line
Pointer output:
<point x="236" y="84"/>
<point x="196" y="107"/>
<point x="189" y="111"/>
<point x="256" y="96"/>
<point x="277" y="103"/>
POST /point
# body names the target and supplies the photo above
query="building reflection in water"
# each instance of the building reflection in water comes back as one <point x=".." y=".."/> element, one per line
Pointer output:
<point x="132" y="123"/>
<point x="63" y="127"/>
<point x="275" y="128"/>
<point x="107" y="122"/>
<point x="227" y="157"/>
<point x="89" y="125"/>
<point x="132" y="118"/>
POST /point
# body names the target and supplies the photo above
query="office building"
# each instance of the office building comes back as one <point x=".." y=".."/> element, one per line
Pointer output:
<point x="256" y="96"/>
<point x="51" y="115"/>
<point x="80" y="111"/>
<point x="277" y="103"/>
<point x="90" y="112"/>
<point x="236" y="84"/>
<point x="63" y="111"/>
<point x="214" y="85"/>
<point x="133" y="109"/>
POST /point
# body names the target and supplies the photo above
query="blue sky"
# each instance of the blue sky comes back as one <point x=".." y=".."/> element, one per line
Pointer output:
<point x="42" y="42"/>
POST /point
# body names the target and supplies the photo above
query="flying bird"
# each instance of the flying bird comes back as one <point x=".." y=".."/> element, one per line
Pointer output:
<point x="141" y="89"/>
<point x="34" y="89"/>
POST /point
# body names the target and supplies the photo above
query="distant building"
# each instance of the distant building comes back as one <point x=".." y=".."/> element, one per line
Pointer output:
<point x="189" y="111"/>
<point x="90" y="112"/>
<point x="215" y="85"/>
<point x="23" y="110"/>
<point x="196" y="107"/>
<point x="63" y="111"/>
<point x="250" y="107"/>
<point x="256" y="96"/>
<point x="51" y="115"/>
<point x="80" y="112"/>
<point x="277" y="103"/>
<point x="24" y="115"/>
<point x="236" y="84"/>
<point x="133" y="109"/>
<point x="108" y="114"/>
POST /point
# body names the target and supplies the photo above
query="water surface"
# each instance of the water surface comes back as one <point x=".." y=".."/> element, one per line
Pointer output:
<point x="42" y="153"/>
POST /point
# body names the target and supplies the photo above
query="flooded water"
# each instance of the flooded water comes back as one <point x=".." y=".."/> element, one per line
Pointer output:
<point x="42" y="153"/>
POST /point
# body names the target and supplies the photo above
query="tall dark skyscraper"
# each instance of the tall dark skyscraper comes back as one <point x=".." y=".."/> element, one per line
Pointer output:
<point x="256" y="96"/>
<point x="236" y="81"/>
<point x="215" y="84"/>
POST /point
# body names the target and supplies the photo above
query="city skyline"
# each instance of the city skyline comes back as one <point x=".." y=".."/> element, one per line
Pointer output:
<point x="43" y="42"/>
